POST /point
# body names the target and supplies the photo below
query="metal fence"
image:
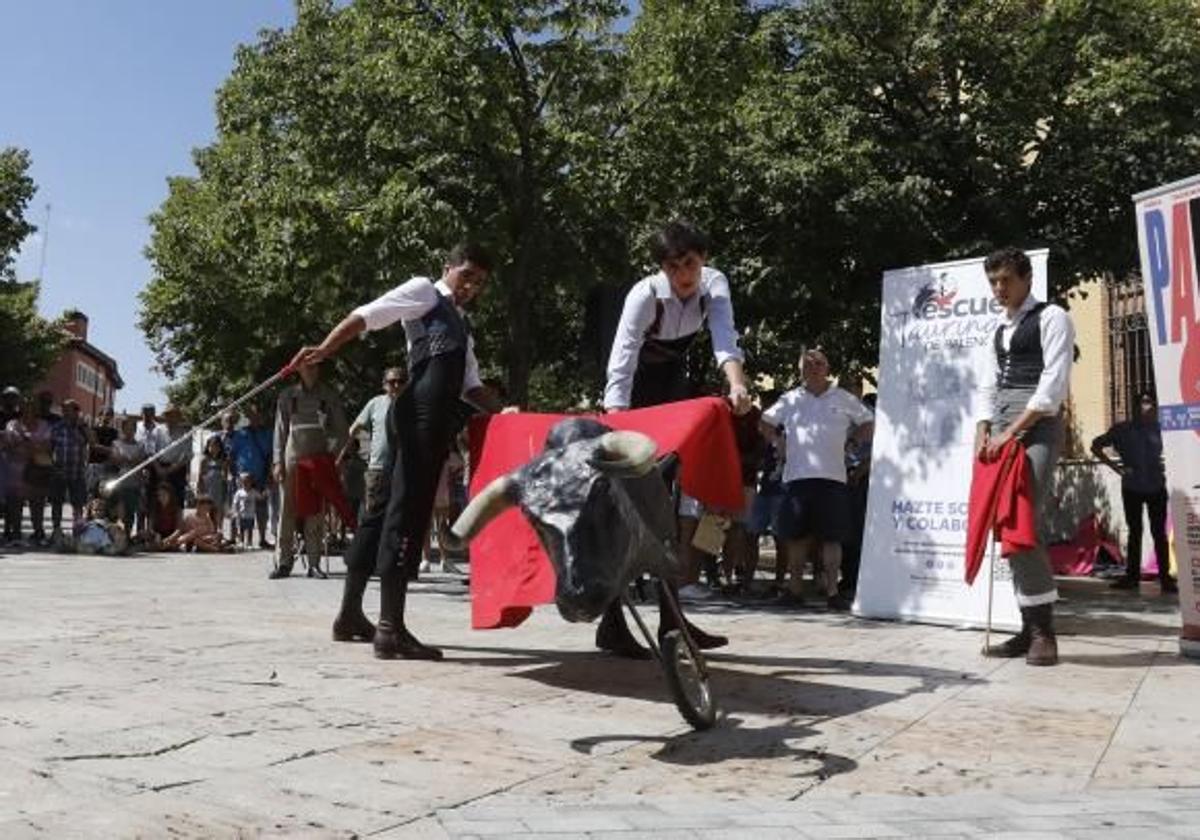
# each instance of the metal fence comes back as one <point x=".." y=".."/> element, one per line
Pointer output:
<point x="1130" y="366"/>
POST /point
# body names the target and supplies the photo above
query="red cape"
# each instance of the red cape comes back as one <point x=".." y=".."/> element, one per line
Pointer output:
<point x="510" y="574"/>
<point x="1000" y="507"/>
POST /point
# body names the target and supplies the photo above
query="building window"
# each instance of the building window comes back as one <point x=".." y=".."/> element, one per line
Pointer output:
<point x="1131" y="366"/>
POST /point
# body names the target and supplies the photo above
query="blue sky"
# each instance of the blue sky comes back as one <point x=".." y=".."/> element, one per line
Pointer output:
<point x="110" y="97"/>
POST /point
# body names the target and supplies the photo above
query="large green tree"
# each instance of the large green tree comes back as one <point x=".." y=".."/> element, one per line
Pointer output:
<point x="353" y="150"/>
<point x="819" y="143"/>
<point x="28" y="343"/>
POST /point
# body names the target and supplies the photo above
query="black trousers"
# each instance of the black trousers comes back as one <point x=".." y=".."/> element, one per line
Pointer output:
<point x="421" y="424"/>
<point x="1156" y="507"/>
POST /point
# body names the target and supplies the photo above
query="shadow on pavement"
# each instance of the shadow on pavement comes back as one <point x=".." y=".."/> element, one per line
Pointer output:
<point x="778" y="693"/>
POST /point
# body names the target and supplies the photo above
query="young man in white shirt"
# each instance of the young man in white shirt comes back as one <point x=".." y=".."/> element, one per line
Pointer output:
<point x="817" y="420"/>
<point x="649" y="365"/>
<point x="421" y="423"/>
<point x="1024" y="387"/>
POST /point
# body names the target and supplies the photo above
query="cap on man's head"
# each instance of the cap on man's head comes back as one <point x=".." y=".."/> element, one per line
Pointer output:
<point x="69" y="404"/>
<point x="11" y="391"/>
<point x="147" y="407"/>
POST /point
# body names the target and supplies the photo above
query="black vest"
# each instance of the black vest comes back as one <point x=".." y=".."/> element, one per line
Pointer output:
<point x="1021" y="365"/>
<point x="440" y="331"/>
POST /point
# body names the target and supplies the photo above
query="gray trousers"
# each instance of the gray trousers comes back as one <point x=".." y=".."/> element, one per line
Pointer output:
<point x="1033" y="576"/>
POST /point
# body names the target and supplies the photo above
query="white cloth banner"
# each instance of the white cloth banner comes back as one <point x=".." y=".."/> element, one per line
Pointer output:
<point x="939" y="325"/>
<point x="1168" y="223"/>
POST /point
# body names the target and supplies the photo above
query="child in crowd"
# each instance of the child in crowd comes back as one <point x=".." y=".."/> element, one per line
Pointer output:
<point x="198" y="531"/>
<point x="211" y="483"/>
<point x="163" y="517"/>
<point x="245" y="500"/>
<point x="96" y="534"/>
<point x="126" y="452"/>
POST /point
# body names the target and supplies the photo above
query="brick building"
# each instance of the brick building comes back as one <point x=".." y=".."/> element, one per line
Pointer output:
<point x="83" y="373"/>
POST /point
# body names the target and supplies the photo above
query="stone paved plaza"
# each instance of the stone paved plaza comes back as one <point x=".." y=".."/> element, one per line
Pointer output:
<point x="191" y="697"/>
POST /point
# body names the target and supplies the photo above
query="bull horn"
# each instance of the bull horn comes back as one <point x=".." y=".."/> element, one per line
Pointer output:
<point x="625" y="454"/>
<point x="491" y="501"/>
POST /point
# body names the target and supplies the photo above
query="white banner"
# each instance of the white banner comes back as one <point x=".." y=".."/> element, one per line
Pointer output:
<point x="939" y="325"/>
<point x="1168" y="223"/>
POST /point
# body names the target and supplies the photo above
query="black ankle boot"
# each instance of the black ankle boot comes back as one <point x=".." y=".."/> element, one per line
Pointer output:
<point x="667" y="623"/>
<point x="351" y="624"/>
<point x="613" y="635"/>
<point x="392" y="639"/>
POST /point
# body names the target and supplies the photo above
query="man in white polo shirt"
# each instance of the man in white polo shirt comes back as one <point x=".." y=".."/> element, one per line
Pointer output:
<point x="816" y="421"/>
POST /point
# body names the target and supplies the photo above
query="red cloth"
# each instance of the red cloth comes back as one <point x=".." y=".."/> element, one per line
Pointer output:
<point x="1001" y="505"/>
<point x="317" y="482"/>
<point x="510" y="574"/>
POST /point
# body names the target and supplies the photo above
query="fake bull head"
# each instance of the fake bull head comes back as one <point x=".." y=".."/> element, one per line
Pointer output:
<point x="600" y="508"/>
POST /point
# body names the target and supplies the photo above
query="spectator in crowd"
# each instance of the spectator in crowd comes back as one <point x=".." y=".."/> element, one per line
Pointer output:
<point x="1138" y="442"/>
<point x="11" y="482"/>
<point x="152" y="437"/>
<point x="740" y="553"/>
<point x="373" y="420"/>
<point x="126" y="453"/>
<point x="452" y="471"/>
<point x="214" y="469"/>
<point x="251" y="453"/>
<point x="163" y="516"/>
<point x="173" y="465"/>
<point x="308" y="415"/>
<point x="197" y="531"/>
<point x="31" y="458"/>
<point x="96" y="533"/>
<point x="769" y="499"/>
<point x="858" y="480"/>
<point x="229" y="424"/>
<point x="817" y="419"/>
<point x="69" y="448"/>
<point x="245" y="507"/>
<point x="101" y="437"/>
<point x="354" y="479"/>
<point x="45" y="407"/>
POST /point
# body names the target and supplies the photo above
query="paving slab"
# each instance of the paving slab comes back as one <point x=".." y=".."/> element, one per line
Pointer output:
<point x="191" y="697"/>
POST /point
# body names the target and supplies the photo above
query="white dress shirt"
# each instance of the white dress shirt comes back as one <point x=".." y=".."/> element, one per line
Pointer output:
<point x="680" y="318"/>
<point x="816" y="428"/>
<point x="410" y="301"/>
<point x="1058" y="350"/>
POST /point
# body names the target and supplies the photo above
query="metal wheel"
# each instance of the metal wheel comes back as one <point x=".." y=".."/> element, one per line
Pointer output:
<point x="688" y="684"/>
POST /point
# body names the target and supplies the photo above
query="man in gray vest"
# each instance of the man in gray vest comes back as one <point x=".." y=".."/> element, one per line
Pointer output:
<point x="1024" y="392"/>
<point x="422" y="421"/>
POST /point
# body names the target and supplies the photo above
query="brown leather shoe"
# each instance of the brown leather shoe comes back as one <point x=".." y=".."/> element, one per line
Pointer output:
<point x="1014" y="646"/>
<point x="1011" y="647"/>
<point x="1043" y="646"/>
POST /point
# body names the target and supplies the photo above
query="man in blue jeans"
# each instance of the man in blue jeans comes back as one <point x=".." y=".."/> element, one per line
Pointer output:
<point x="68" y="482"/>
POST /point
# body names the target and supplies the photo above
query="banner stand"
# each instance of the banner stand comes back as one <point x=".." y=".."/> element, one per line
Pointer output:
<point x="938" y="328"/>
<point x="1168" y="228"/>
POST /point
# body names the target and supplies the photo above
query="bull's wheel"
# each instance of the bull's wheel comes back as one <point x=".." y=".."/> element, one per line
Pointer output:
<point x="688" y="683"/>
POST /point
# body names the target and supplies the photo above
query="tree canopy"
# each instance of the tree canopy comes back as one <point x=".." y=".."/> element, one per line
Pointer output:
<point x="818" y="143"/>
<point x="28" y="343"/>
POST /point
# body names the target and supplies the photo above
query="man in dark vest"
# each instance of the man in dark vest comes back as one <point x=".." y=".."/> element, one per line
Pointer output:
<point x="422" y="421"/>
<point x="1024" y="392"/>
<point x="649" y="365"/>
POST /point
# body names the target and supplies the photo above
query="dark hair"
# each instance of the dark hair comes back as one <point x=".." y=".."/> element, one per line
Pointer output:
<point x="676" y="239"/>
<point x="1009" y="257"/>
<point x="471" y="252"/>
